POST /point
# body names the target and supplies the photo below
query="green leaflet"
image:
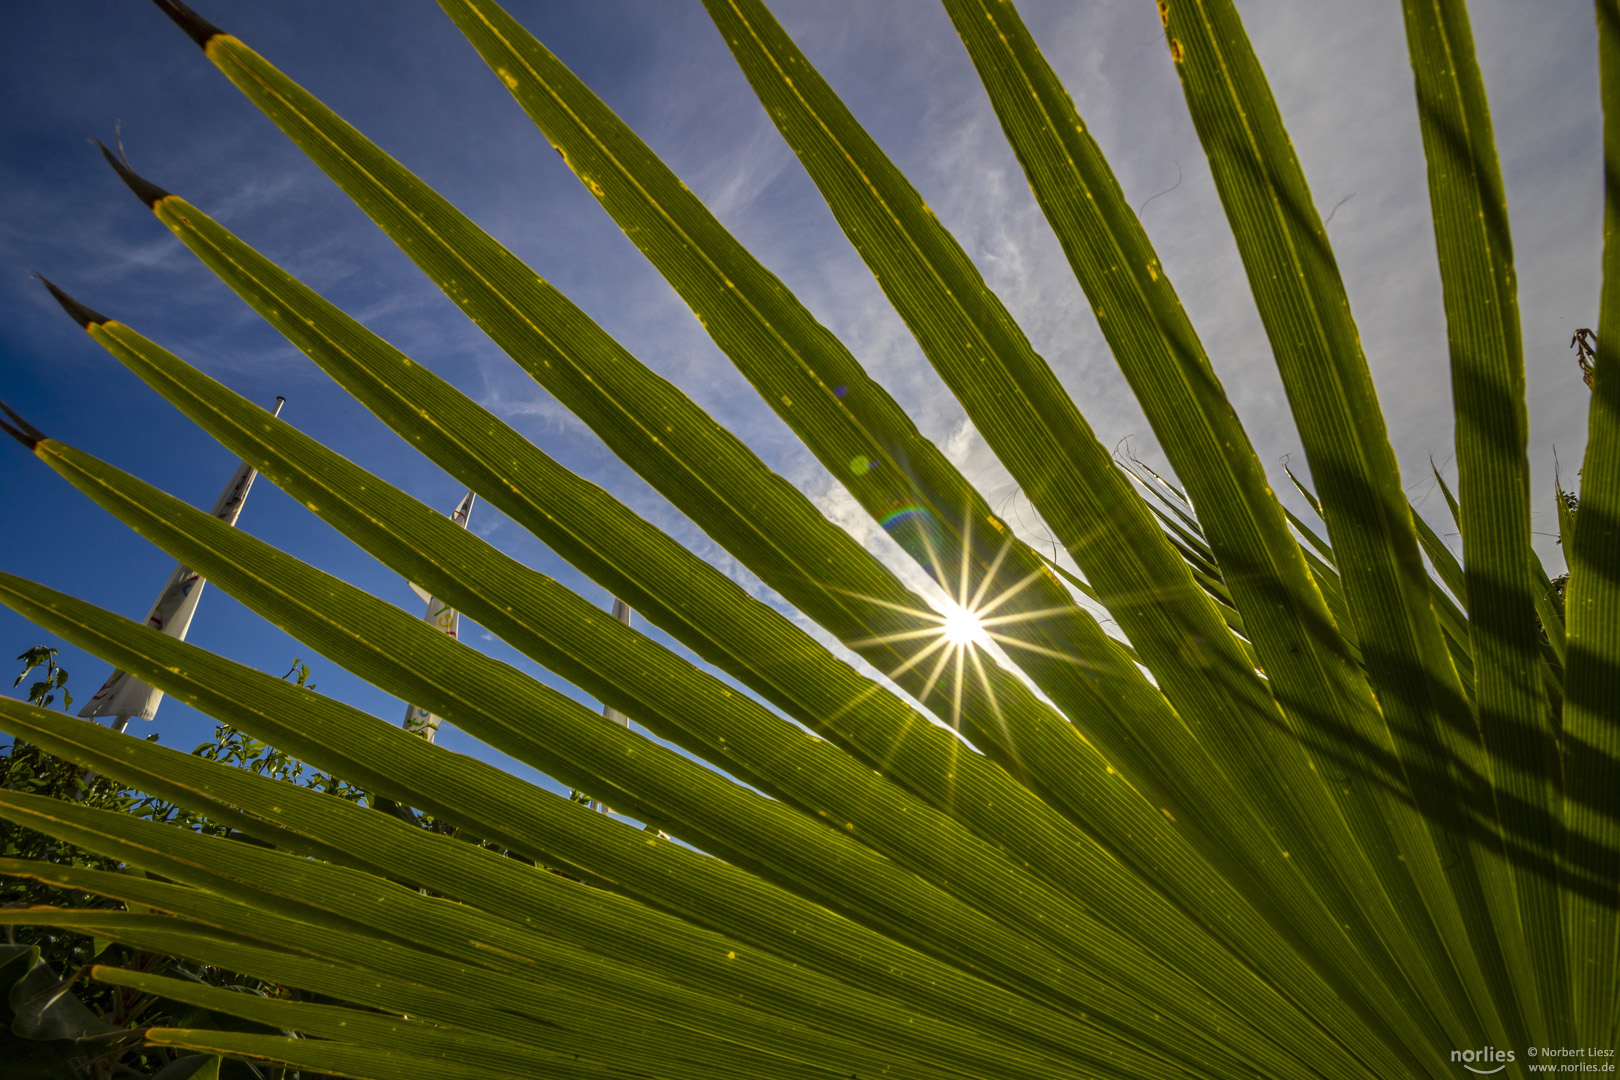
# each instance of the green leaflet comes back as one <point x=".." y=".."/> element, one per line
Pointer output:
<point x="1342" y="827"/>
<point x="1452" y="618"/>
<point x="564" y="739"/>
<point x="973" y="791"/>
<point x="359" y="921"/>
<point x="1445" y="564"/>
<point x="1333" y="724"/>
<point x="700" y="713"/>
<point x="820" y="390"/>
<point x="673" y="588"/>
<point x="694" y="462"/>
<point x="661" y="1051"/>
<point x="1241" y="773"/>
<point x="1306" y="315"/>
<point x="1591" y="604"/>
<point x="560" y="833"/>
<point x="606" y="924"/>
<point x="1566" y="519"/>
<point x="1493" y="426"/>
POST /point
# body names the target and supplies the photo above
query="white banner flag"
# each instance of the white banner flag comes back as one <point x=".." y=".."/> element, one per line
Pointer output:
<point x="123" y="694"/>
<point x="419" y="721"/>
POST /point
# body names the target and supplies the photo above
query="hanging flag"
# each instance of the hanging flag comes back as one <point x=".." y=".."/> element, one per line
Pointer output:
<point x="418" y="720"/>
<point x="122" y="695"/>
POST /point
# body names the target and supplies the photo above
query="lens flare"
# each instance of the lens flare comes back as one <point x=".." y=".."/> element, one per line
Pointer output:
<point x="947" y="645"/>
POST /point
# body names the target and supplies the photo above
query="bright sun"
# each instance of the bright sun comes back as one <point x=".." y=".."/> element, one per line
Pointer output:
<point x="962" y="627"/>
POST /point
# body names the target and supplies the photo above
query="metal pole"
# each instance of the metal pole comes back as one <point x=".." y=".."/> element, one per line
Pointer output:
<point x="121" y="722"/>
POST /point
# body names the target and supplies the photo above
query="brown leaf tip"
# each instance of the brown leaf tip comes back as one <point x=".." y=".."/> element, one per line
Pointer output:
<point x="200" y="29"/>
<point x="148" y="192"/>
<point x="82" y="315"/>
<point x="25" y="433"/>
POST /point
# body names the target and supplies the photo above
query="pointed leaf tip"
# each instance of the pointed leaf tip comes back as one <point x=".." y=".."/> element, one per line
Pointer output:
<point x="82" y="315"/>
<point x="25" y="433"/>
<point x="200" y="29"/>
<point x="148" y="192"/>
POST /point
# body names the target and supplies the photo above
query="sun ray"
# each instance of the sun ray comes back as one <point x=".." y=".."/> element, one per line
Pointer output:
<point x="918" y="658"/>
<point x="1044" y="651"/>
<point x="995" y="706"/>
<point x="988" y="579"/>
<point x="933" y="676"/>
<point x="956" y="691"/>
<point x="970" y="617"/>
<point x="967" y="558"/>
<point x="901" y="635"/>
<point x="883" y="762"/>
<point x="1011" y="591"/>
<point x="1022" y="616"/>
<point x="907" y="609"/>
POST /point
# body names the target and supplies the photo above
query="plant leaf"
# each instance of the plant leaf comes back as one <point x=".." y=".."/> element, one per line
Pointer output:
<point x="1591" y="604"/>
<point x="420" y="544"/>
<point x="682" y="452"/>
<point x="1493" y="427"/>
<point x="1306" y="314"/>
<point x="821" y="391"/>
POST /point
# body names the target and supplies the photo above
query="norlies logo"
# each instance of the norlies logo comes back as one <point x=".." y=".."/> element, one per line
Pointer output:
<point x="1489" y="1055"/>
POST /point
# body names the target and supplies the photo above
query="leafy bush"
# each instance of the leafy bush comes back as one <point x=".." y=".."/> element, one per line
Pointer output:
<point x="1317" y="814"/>
<point x="40" y="967"/>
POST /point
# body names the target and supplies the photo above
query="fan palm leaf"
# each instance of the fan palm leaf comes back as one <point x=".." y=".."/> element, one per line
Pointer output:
<point x="1312" y="810"/>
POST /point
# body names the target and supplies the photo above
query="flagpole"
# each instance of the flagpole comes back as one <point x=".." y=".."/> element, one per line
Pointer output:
<point x="622" y="612"/>
<point x="122" y="694"/>
<point x="418" y="720"/>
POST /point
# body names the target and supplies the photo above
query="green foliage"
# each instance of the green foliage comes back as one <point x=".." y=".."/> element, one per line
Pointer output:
<point x="38" y="958"/>
<point x="26" y="768"/>
<point x="1339" y="806"/>
<point x="299" y="673"/>
<point x="42" y="692"/>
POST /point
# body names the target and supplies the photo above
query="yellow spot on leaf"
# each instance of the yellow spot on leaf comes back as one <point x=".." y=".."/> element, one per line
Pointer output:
<point x="1176" y="52"/>
<point x="507" y="77"/>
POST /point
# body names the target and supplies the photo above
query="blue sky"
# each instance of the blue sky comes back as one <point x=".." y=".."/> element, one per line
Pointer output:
<point x="401" y="72"/>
